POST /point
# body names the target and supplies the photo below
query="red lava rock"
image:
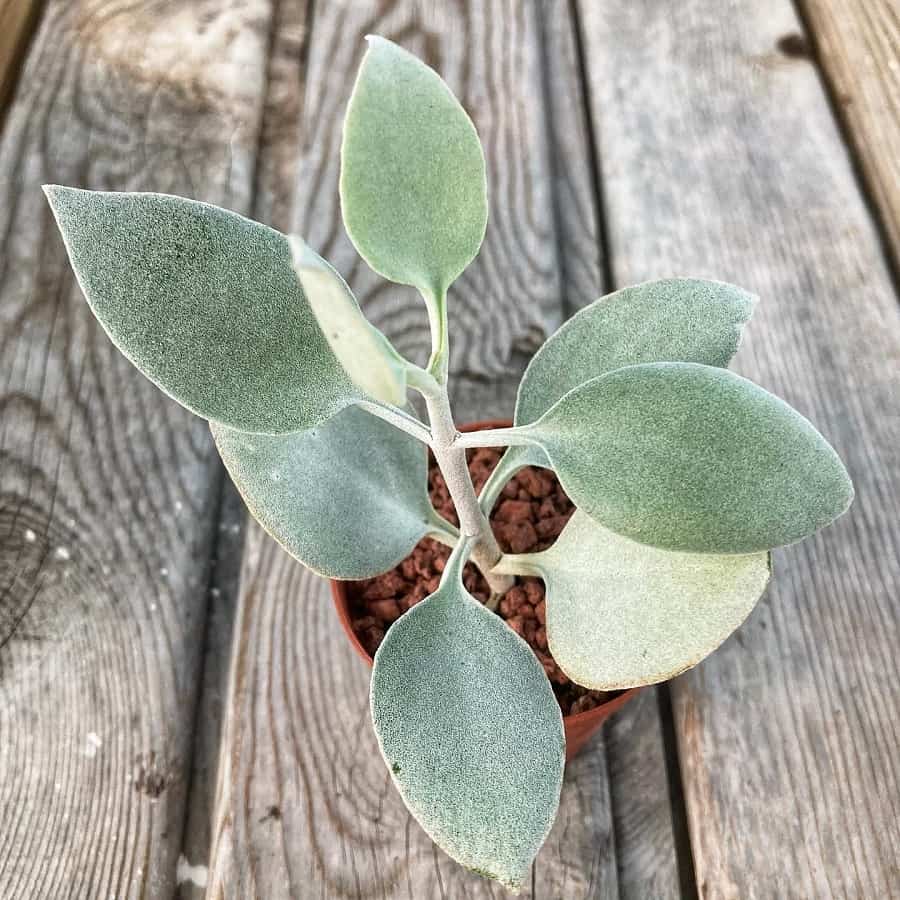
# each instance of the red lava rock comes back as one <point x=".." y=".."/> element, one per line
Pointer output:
<point x="514" y="511"/>
<point x="532" y="512"/>
<point x="385" y="610"/>
<point x="512" y="601"/>
<point x="517" y="623"/>
<point x="387" y="585"/>
<point x="551" y="527"/>
<point x="520" y="537"/>
<point x="536" y="483"/>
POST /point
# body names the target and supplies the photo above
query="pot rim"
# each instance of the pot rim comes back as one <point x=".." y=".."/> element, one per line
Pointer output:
<point x="342" y="606"/>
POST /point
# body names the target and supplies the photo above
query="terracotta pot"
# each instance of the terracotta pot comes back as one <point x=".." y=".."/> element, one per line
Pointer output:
<point x="579" y="728"/>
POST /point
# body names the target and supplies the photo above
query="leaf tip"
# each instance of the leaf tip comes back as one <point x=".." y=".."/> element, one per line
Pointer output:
<point x="54" y="193"/>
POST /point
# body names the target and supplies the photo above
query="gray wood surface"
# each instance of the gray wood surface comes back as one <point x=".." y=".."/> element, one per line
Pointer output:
<point x="701" y="143"/>
<point x="305" y="803"/>
<point x="721" y="158"/>
<point x="632" y="793"/>
<point x="108" y="491"/>
<point x="858" y="46"/>
<point x="273" y="181"/>
<point x="645" y="817"/>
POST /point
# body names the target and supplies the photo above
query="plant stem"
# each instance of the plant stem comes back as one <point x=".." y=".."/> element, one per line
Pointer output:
<point x="520" y="564"/>
<point x="398" y="418"/>
<point x="507" y="466"/>
<point x="439" y="363"/>
<point x="473" y="523"/>
<point x="493" y="437"/>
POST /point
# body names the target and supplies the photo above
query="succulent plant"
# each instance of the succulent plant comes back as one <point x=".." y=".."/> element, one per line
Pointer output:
<point x="684" y="475"/>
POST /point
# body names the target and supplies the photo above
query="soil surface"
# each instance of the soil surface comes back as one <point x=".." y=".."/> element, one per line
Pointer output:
<point x="530" y="514"/>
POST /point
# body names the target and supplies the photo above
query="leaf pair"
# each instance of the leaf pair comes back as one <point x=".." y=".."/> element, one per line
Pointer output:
<point x="630" y="404"/>
<point x="259" y="334"/>
<point x="684" y="475"/>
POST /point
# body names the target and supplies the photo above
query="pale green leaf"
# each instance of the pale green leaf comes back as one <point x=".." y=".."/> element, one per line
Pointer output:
<point x="206" y="304"/>
<point x="365" y="353"/>
<point x="413" y="189"/>
<point x="670" y="320"/>
<point x="471" y="732"/>
<point x="622" y="614"/>
<point x="691" y="457"/>
<point x="348" y="498"/>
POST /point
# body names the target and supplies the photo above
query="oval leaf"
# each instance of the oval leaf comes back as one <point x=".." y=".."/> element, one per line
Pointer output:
<point x="365" y="353"/>
<point x="206" y="304"/>
<point x="413" y="188"/>
<point x="471" y="732"/>
<point x="347" y="498"/>
<point x="670" y="320"/>
<point x="621" y="614"/>
<point x="694" y="458"/>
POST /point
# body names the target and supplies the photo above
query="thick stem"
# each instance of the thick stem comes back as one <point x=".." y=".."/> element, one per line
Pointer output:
<point x="473" y="523"/>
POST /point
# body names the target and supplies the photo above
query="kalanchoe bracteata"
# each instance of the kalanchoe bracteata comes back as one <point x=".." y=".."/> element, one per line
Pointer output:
<point x="684" y="475"/>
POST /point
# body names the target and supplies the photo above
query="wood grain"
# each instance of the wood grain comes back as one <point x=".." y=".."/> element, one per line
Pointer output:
<point x="108" y="491"/>
<point x="274" y="176"/>
<point x="305" y="804"/>
<point x="16" y="20"/>
<point x="642" y="803"/>
<point x="721" y="158"/>
<point x="858" y="47"/>
<point x="633" y="789"/>
<point x="576" y="200"/>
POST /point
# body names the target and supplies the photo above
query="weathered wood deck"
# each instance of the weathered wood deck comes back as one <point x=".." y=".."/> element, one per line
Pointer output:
<point x="179" y="712"/>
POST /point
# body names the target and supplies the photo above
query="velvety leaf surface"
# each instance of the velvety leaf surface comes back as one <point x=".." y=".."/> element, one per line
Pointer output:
<point x="694" y="458"/>
<point x="206" y="304"/>
<point x="670" y="320"/>
<point x="622" y="614"/>
<point x="413" y="188"/>
<point x="364" y="352"/>
<point x="471" y="732"/>
<point x="348" y="498"/>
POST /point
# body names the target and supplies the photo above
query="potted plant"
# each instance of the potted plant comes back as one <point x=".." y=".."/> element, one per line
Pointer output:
<point x="684" y="476"/>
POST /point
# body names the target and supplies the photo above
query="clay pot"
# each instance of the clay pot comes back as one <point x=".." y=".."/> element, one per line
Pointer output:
<point x="579" y="728"/>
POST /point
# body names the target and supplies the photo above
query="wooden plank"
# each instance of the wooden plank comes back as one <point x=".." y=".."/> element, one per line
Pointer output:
<point x="635" y="790"/>
<point x="305" y="805"/>
<point x="721" y="158"/>
<point x="108" y="491"/>
<point x="272" y="202"/>
<point x="642" y="804"/>
<point x="576" y="201"/>
<point x="858" y="47"/>
<point x="16" y="20"/>
<point x="191" y="871"/>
